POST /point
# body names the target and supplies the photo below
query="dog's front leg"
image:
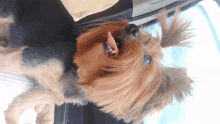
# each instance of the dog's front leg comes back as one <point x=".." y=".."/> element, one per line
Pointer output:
<point x="47" y="73"/>
<point x="28" y="100"/>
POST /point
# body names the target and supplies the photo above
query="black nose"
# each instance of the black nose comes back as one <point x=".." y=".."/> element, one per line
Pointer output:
<point x="132" y="29"/>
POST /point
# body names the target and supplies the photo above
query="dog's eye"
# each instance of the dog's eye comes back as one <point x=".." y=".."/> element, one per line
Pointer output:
<point x="147" y="59"/>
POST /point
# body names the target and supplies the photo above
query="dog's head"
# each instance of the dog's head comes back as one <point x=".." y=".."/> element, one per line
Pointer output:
<point x="120" y="68"/>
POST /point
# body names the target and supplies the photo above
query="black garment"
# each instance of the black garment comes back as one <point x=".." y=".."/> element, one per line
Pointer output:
<point x="89" y="114"/>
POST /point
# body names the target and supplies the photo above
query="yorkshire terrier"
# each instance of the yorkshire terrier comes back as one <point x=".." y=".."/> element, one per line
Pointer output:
<point x="117" y="66"/>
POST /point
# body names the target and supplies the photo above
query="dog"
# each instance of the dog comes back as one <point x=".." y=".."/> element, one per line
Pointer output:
<point x="117" y="65"/>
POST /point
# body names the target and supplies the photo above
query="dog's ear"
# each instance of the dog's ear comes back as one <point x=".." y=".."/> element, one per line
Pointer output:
<point x="175" y="84"/>
<point x="178" y="83"/>
<point x="175" y="33"/>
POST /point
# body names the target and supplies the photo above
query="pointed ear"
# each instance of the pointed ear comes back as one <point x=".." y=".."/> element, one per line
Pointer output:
<point x="179" y="83"/>
<point x="112" y="44"/>
<point x="175" y="84"/>
<point x="176" y="32"/>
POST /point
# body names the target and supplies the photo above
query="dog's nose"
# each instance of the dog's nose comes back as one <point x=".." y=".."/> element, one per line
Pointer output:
<point x="132" y="29"/>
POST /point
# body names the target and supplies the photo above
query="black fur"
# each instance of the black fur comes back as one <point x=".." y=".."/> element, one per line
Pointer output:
<point x="39" y="22"/>
<point x="47" y="28"/>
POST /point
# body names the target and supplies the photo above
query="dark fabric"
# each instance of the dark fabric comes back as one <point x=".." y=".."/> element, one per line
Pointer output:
<point x="90" y="114"/>
<point x="124" y="9"/>
<point x="61" y="114"/>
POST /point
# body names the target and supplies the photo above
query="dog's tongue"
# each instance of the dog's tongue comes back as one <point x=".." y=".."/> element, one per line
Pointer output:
<point x="112" y="43"/>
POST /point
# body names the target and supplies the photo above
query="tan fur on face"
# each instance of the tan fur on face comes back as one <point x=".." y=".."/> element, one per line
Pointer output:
<point x="123" y="85"/>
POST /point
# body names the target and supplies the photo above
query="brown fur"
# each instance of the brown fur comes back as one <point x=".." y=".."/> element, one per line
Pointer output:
<point x="123" y="85"/>
<point x="132" y="90"/>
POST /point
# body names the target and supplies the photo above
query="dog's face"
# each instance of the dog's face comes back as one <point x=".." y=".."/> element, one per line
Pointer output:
<point x="120" y="68"/>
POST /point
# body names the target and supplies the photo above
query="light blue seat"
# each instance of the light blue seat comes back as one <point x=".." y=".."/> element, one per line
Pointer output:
<point x="203" y="64"/>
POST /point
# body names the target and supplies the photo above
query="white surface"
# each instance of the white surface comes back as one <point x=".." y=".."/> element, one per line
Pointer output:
<point x="203" y="64"/>
<point x="10" y="87"/>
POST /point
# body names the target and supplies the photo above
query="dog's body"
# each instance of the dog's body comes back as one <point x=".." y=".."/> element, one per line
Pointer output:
<point x="115" y="65"/>
<point x="50" y="34"/>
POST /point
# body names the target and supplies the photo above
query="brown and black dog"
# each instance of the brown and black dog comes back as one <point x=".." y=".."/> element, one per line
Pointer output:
<point x="116" y="65"/>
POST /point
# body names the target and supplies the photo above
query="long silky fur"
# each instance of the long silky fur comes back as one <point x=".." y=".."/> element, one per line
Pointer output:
<point x="124" y="86"/>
